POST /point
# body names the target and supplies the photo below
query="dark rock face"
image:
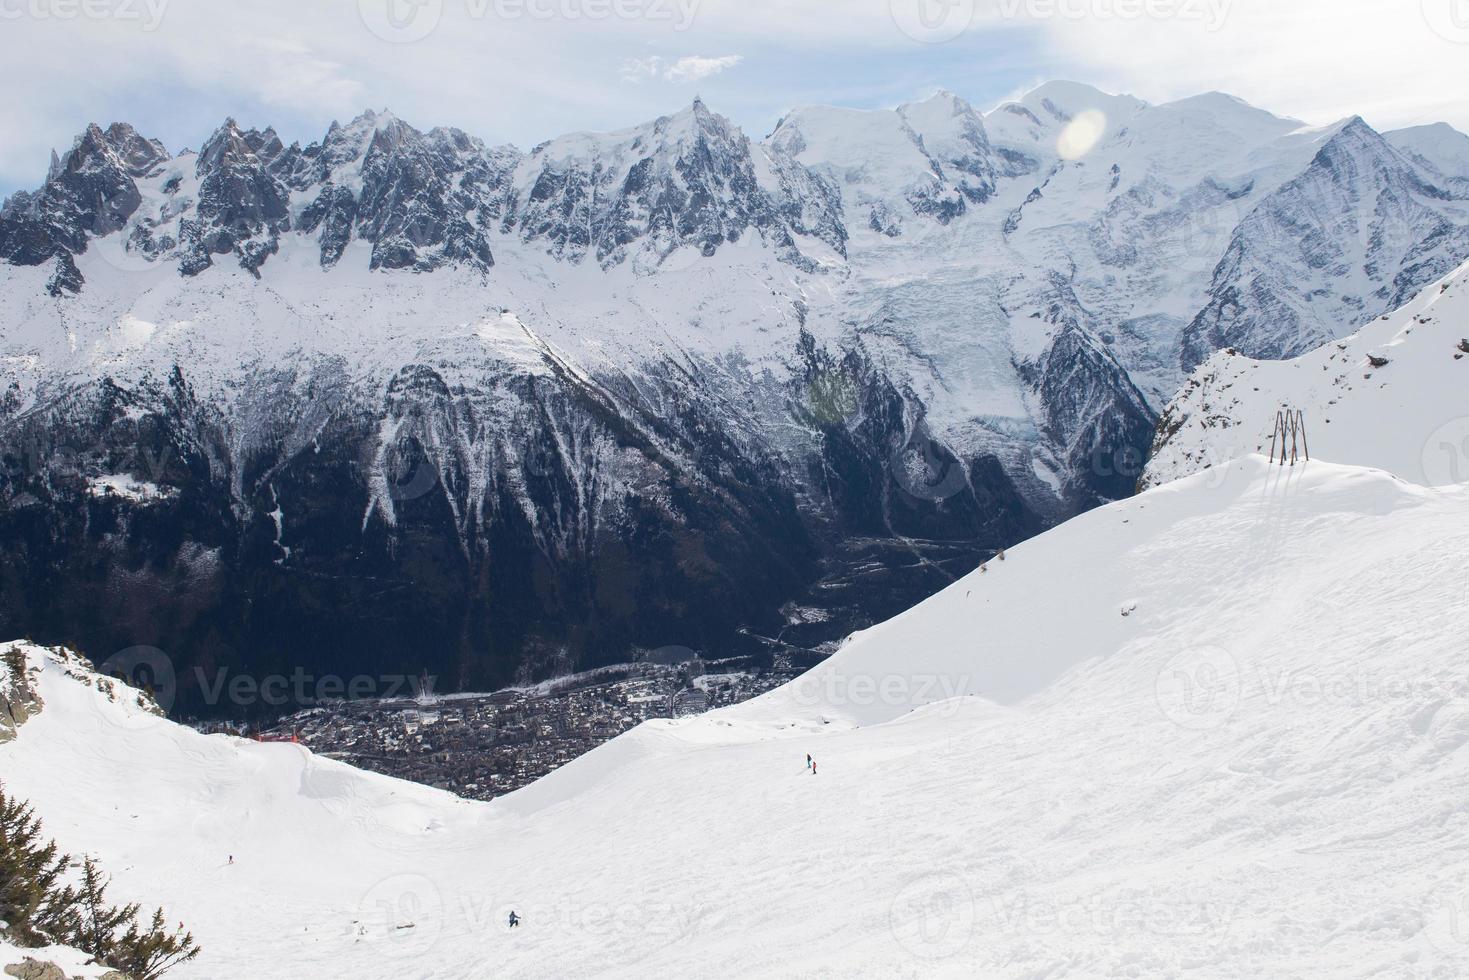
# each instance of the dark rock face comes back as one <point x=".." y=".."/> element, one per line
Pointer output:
<point x="67" y="278"/>
<point x="508" y="530"/>
<point x="690" y="181"/>
<point x="243" y="207"/>
<point x="411" y="209"/>
<point x="1360" y="212"/>
<point x="92" y="191"/>
<point x="1092" y="409"/>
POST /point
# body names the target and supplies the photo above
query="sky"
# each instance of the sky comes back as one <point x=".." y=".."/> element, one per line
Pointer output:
<point x="524" y="71"/>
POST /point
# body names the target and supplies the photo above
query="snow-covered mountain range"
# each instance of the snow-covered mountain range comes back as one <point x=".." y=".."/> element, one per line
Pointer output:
<point x="437" y="405"/>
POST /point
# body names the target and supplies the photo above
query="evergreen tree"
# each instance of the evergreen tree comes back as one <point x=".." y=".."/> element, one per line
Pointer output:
<point x="147" y="953"/>
<point x="37" y="909"/>
<point x="94" y="922"/>
<point x="35" y="906"/>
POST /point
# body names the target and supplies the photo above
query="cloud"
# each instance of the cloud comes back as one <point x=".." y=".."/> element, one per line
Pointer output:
<point x="297" y="66"/>
<point x="693" y="67"/>
<point x="1394" y="62"/>
<point x="690" y="68"/>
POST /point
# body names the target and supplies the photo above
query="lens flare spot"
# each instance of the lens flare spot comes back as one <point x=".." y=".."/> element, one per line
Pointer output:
<point x="1081" y="134"/>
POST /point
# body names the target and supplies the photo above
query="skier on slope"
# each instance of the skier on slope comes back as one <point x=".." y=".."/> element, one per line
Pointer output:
<point x="514" y="919"/>
<point x="808" y="760"/>
<point x="813" y="767"/>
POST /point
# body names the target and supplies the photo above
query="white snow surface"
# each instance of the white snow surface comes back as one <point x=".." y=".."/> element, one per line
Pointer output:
<point x="73" y="962"/>
<point x="125" y="486"/>
<point x="1409" y="416"/>
<point x="1215" y="730"/>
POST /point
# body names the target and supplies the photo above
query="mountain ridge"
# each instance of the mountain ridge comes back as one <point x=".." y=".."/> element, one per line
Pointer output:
<point x="668" y="368"/>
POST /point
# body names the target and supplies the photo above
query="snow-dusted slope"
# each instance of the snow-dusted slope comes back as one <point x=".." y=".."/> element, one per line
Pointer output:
<point x="740" y="365"/>
<point x="1393" y="395"/>
<point x="1439" y="144"/>
<point x="1214" y="730"/>
<point x="1345" y="239"/>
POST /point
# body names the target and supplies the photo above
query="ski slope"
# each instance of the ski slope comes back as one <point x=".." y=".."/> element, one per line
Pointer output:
<point x="1409" y="415"/>
<point x="1216" y="730"/>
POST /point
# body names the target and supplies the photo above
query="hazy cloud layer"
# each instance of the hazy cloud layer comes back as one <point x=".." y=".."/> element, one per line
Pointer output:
<point x="524" y="70"/>
<point x="690" y="68"/>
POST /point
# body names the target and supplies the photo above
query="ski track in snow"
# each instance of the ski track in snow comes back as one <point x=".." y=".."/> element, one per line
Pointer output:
<point x="1258" y="771"/>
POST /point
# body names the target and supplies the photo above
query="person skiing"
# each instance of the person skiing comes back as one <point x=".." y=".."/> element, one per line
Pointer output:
<point x="232" y="859"/>
<point x="514" y="919"/>
<point x="808" y="760"/>
<point x="813" y="767"/>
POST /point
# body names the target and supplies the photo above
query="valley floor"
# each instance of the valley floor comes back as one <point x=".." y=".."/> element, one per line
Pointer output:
<point x="1216" y="730"/>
